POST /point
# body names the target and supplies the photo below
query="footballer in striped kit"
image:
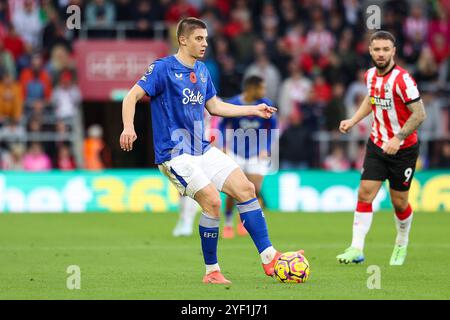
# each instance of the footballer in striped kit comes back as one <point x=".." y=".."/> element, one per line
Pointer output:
<point x="392" y="149"/>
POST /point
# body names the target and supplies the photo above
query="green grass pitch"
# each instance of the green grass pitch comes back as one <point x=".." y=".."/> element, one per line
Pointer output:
<point x="134" y="256"/>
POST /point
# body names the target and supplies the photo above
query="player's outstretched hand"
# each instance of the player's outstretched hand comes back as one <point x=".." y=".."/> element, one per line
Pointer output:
<point x="127" y="138"/>
<point x="265" y="111"/>
<point x="345" y="126"/>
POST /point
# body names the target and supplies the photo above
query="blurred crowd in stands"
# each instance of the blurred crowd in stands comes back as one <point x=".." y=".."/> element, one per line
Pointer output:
<point x="39" y="97"/>
<point x="311" y="53"/>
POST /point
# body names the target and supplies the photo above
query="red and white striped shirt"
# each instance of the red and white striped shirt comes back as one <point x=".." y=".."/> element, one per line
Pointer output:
<point x="389" y="96"/>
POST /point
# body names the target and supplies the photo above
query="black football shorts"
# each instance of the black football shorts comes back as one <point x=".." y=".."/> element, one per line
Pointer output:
<point x="398" y="169"/>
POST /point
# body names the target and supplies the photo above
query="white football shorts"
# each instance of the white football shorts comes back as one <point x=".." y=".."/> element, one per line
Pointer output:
<point x="190" y="174"/>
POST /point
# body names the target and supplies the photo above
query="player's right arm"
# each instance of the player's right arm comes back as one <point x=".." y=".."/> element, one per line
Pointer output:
<point x="150" y="84"/>
<point x="363" y="111"/>
<point x="128" y="135"/>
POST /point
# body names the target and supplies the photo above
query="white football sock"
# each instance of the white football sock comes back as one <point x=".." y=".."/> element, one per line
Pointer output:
<point x="403" y="228"/>
<point x="212" y="267"/>
<point x="361" y="225"/>
<point x="268" y="254"/>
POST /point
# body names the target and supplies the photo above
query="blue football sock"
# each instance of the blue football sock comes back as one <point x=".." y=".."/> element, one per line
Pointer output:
<point x="254" y="222"/>
<point x="209" y="235"/>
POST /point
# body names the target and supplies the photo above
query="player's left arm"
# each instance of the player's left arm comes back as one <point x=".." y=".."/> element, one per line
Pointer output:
<point x="406" y="89"/>
<point x="416" y="118"/>
<point x="223" y="109"/>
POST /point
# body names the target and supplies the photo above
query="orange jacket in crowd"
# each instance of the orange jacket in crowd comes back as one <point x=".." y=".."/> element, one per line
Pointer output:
<point x="92" y="154"/>
<point x="11" y="101"/>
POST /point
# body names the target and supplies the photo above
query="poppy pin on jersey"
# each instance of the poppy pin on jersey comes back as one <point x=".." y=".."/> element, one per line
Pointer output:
<point x="193" y="77"/>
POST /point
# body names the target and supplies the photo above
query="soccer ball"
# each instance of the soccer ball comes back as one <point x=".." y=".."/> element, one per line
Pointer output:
<point x="292" y="267"/>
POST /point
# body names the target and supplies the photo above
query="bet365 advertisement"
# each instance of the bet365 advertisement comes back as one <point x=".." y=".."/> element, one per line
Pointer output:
<point x="148" y="190"/>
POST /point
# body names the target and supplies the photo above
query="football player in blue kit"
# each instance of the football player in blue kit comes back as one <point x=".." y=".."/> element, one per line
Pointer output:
<point x="180" y="87"/>
<point x="249" y="145"/>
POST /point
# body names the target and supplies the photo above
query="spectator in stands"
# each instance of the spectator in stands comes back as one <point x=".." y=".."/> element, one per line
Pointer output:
<point x="11" y="101"/>
<point x="126" y="10"/>
<point x="46" y="9"/>
<point x="65" y="160"/>
<point x="96" y="155"/>
<point x="235" y="25"/>
<point x="356" y="88"/>
<point x="433" y="126"/>
<point x="444" y="73"/>
<point x="145" y="15"/>
<point x="348" y="65"/>
<point x="336" y="24"/>
<point x="427" y="69"/>
<point x="27" y="22"/>
<point x="243" y="43"/>
<point x="24" y="61"/>
<point x="13" y="160"/>
<point x="13" y="42"/>
<point x="66" y="97"/>
<point x="412" y="49"/>
<point x="221" y="48"/>
<point x="213" y="24"/>
<point x="37" y="107"/>
<point x="322" y="90"/>
<point x="36" y="82"/>
<point x="294" y="91"/>
<point x="100" y="13"/>
<point x="62" y="133"/>
<point x="292" y="153"/>
<point x="288" y="16"/>
<point x="54" y="34"/>
<point x="281" y="56"/>
<point x="311" y="112"/>
<point x="60" y="61"/>
<point x="296" y="39"/>
<point x="443" y="159"/>
<point x="438" y="35"/>
<point x="3" y="13"/>
<point x="36" y="159"/>
<point x="178" y="10"/>
<point x="337" y="160"/>
<point x="335" y="111"/>
<point x="7" y="65"/>
<point x="440" y="47"/>
<point x="214" y="7"/>
<point x="230" y="78"/>
<point x="415" y="26"/>
<point x="269" y="28"/>
<point x="35" y="125"/>
<point x="268" y="71"/>
<point x="319" y="40"/>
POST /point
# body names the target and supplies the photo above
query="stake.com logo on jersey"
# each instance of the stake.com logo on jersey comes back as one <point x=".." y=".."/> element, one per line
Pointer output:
<point x="191" y="97"/>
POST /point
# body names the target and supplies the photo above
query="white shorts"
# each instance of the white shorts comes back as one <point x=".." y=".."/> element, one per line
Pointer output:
<point x="252" y="165"/>
<point x="191" y="173"/>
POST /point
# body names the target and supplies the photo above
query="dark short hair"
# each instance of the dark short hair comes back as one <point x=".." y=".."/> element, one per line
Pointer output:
<point x="187" y="25"/>
<point x="252" y="81"/>
<point x="384" y="35"/>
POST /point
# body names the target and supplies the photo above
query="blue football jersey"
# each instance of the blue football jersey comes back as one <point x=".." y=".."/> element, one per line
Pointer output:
<point x="246" y="148"/>
<point x="178" y="95"/>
